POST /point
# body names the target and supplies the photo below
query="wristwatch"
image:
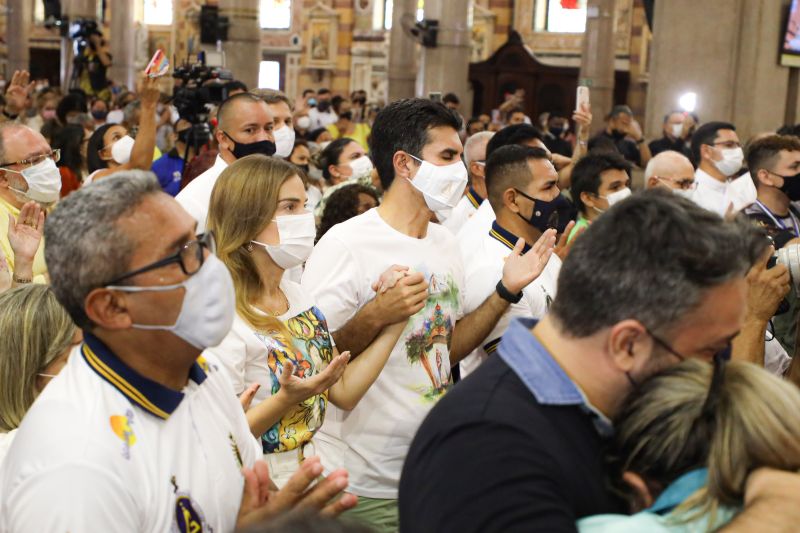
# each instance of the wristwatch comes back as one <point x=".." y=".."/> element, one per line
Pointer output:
<point x="20" y="281"/>
<point x="507" y="295"/>
<point x="10" y="117"/>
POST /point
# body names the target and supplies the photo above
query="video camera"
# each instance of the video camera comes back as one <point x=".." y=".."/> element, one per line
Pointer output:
<point x="81" y="31"/>
<point x="200" y="86"/>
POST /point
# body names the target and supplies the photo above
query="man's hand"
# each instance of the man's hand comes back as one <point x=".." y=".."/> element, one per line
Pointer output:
<point x="25" y="233"/>
<point x="635" y="131"/>
<point x="397" y="301"/>
<point x="767" y="287"/>
<point x="259" y="502"/>
<point x="18" y="92"/>
<point x="564" y="246"/>
<point x="520" y="270"/>
<point x="295" y="389"/>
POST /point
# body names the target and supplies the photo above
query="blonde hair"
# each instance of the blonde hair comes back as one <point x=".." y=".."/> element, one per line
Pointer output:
<point x="243" y="203"/>
<point x="34" y="330"/>
<point x="685" y="418"/>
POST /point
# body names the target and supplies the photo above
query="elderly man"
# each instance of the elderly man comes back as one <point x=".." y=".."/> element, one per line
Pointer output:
<point x="29" y="181"/>
<point x="150" y="435"/>
<point x="671" y="170"/>
<point x="244" y="127"/>
<point x="475" y="159"/>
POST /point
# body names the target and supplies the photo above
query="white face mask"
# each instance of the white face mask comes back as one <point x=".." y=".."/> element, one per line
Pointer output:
<point x="44" y="183"/>
<point x="361" y="167"/>
<point x="677" y="130"/>
<point x="296" y="234"/>
<point x="617" y="196"/>
<point x="685" y="193"/>
<point x="121" y="149"/>
<point x="324" y="144"/>
<point x="284" y="141"/>
<point x="441" y="186"/>
<point x="731" y="162"/>
<point x="303" y="123"/>
<point x="208" y="307"/>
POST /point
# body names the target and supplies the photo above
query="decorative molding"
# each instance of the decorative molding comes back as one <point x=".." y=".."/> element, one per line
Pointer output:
<point x="322" y="41"/>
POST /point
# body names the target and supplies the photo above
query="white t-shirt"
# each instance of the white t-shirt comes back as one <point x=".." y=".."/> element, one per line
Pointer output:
<point x="484" y="269"/>
<point x="196" y="196"/>
<point x="251" y="356"/>
<point x="372" y="440"/>
<point x="319" y="119"/>
<point x="463" y="211"/>
<point x="105" y="449"/>
<point x="717" y="196"/>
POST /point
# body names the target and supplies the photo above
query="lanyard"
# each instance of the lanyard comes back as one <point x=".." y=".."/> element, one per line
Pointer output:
<point x="778" y="222"/>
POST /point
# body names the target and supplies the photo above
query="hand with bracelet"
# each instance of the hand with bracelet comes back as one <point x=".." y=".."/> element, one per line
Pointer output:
<point x="25" y="235"/>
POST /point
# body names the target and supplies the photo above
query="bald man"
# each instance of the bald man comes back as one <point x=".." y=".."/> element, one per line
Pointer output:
<point x="244" y="127"/>
<point x="671" y="170"/>
<point x="475" y="159"/>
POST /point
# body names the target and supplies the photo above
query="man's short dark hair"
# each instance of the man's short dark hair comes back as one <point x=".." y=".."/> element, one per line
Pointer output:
<point x="475" y="120"/>
<point x="308" y="91"/>
<point x="763" y="153"/>
<point x="674" y="111"/>
<point x="451" y="98"/>
<point x="226" y="107"/>
<point x="618" y="110"/>
<point x="587" y="171"/>
<point x="235" y="85"/>
<point x="508" y="168"/>
<point x="403" y="125"/>
<point x="707" y="134"/>
<point x="323" y="91"/>
<point x="515" y="134"/>
<point x="659" y="274"/>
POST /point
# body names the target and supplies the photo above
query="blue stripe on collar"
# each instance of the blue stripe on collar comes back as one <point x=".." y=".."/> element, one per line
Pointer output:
<point x="474" y="198"/>
<point x="153" y="397"/>
<point x="501" y="234"/>
<point x="679" y="490"/>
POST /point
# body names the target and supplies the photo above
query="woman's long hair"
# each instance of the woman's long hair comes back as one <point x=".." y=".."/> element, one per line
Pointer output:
<point x="243" y="203"/>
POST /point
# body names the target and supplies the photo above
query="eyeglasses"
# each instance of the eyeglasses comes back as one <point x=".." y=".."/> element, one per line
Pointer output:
<point x="724" y="353"/>
<point x="729" y="144"/>
<point x="687" y="184"/>
<point x="190" y="257"/>
<point x="55" y="155"/>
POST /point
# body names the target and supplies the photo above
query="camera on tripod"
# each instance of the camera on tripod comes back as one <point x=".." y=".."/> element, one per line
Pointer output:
<point x="81" y="31"/>
<point x="200" y="86"/>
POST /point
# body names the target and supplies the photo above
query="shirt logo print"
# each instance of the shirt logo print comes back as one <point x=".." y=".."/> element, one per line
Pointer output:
<point x="121" y="426"/>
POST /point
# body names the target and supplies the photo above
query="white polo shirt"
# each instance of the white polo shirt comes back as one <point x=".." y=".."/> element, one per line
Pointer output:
<point x="479" y="224"/>
<point x="463" y="211"/>
<point x="482" y="272"/>
<point x="105" y="449"/>
<point x="717" y="196"/>
<point x="196" y="196"/>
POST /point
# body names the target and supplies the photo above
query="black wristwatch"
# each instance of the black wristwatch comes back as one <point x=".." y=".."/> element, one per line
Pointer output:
<point x="507" y="295"/>
<point x="10" y="117"/>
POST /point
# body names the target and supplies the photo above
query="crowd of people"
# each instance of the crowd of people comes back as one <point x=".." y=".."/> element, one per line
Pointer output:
<point x="326" y="314"/>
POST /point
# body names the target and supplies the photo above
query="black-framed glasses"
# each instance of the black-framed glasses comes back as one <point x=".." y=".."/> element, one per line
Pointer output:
<point x="723" y="354"/>
<point x="55" y="155"/>
<point x="190" y="258"/>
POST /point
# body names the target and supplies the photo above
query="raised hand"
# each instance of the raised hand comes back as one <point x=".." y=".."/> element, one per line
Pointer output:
<point x="564" y="244"/>
<point x="25" y="232"/>
<point x="246" y="398"/>
<point x="18" y="92"/>
<point x="5" y="273"/>
<point x="520" y="270"/>
<point x="149" y="93"/>
<point x="297" y="389"/>
<point x="767" y="287"/>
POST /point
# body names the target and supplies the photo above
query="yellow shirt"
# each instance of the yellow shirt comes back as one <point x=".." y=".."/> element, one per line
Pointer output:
<point x="39" y="267"/>
<point x="359" y="135"/>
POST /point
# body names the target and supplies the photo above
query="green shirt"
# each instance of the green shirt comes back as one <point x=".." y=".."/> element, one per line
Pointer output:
<point x="580" y="223"/>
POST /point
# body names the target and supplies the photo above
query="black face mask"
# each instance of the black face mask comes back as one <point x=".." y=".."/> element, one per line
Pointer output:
<point x="791" y="186"/>
<point x="240" y="150"/>
<point x="618" y="134"/>
<point x="323" y="106"/>
<point x="183" y="136"/>
<point x="99" y="114"/>
<point x="557" y="130"/>
<point x="545" y="214"/>
<point x="304" y="168"/>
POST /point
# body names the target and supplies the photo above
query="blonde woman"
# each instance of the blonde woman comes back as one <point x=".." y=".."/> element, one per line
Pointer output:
<point x="36" y="338"/>
<point x="688" y="439"/>
<point x="280" y="339"/>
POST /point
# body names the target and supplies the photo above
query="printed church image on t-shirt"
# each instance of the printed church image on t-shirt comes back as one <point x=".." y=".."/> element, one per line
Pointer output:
<point x="428" y="333"/>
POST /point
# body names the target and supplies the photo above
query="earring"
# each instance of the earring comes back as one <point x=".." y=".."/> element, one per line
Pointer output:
<point x="249" y="247"/>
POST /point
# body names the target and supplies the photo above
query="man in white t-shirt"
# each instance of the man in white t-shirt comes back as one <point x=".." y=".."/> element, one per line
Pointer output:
<point x="718" y="154"/>
<point x="475" y="159"/>
<point x="137" y="432"/>
<point x="244" y="127"/>
<point x="322" y="114"/>
<point x="523" y="191"/>
<point x="416" y="150"/>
